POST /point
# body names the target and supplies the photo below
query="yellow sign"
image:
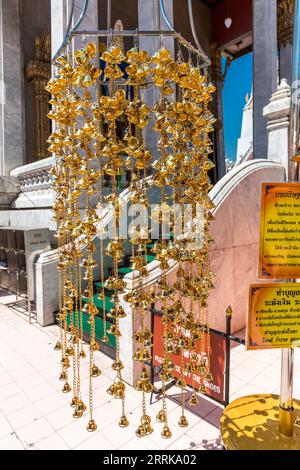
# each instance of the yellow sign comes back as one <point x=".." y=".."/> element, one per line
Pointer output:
<point x="280" y="231"/>
<point x="274" y="316"/>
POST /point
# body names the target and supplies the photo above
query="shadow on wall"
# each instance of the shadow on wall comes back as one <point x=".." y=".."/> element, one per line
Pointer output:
<point x="235" y="230"/>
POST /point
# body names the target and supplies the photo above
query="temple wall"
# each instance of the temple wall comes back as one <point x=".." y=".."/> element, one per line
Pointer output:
<point x="35" y="19"/>
<point x="11" y="85"/>
<point x="235" y="230"/>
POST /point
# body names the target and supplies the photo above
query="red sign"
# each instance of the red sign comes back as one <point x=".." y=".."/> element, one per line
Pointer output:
<point x="214" y="388"/>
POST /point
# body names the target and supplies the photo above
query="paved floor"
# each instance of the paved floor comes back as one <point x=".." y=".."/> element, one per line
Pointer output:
<point x="34" y="414"/>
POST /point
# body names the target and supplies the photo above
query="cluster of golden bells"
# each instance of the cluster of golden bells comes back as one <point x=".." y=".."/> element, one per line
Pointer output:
<point x="100" y="117"/>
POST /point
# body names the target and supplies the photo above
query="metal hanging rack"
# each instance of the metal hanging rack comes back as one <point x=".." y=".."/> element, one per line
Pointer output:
<point x="73" y="32"/>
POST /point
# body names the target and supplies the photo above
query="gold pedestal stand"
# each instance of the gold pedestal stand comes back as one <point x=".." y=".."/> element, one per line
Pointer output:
<point x="252" y="423"/>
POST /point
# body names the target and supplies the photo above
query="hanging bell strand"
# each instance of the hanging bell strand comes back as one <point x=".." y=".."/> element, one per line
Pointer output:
<point x="80" y="407"/>
<point x="81" y="333"/>
<point x="76" y="386"/>
<point x="74" y="324"/>
<point x="59" y="344"/>
<point x="118" y="365"/>
<point x="92" y="426"/>
<point x="73" y="343"/>
<point x="183" y="422"/>
<point x="99" y="146"/>
<point x="166" y="432"/>
<point x="66" y="361"/>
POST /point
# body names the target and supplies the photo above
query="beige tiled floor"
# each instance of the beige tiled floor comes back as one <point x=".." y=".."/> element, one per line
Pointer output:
<point x="34" y="414"/>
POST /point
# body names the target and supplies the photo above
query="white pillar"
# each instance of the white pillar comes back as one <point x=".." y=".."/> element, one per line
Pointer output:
<point x="264" y="68"/>
<point x="277" y="113"/>
<point x="11" y="86"/>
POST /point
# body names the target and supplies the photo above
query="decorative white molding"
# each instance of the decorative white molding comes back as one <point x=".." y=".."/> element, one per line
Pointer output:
<point x="35" y="185"/>
<point x="277" y="113"/>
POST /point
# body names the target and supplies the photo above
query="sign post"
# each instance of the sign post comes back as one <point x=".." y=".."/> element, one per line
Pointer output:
<point x="286" y="408"/>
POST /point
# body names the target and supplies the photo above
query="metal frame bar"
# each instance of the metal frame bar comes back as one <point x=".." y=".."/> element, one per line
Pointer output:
<point x="106" y="33"/>
<point x="138" y="33"/>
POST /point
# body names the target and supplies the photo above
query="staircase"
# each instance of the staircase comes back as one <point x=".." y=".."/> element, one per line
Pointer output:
<point x="110" y="346"/>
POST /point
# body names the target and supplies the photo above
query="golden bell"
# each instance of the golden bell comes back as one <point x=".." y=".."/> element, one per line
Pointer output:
<point x="74" y="402"/>
<point x="176" y="350"/>
<point x="202" y="389"/>
<point x="181" y="383"/>
<point x="58" y="346"/>
<point x="193" y="401"/>
<point x="169" y="348"/>
<point x="95" y="371"/>
<point x="70" y="351"/>
<point x="65" y="362"/>
<point x="66" y="388"/>
<point x="62" y="376"/>
<point x="82" y="354"/>
<point x="145" y="356"/>
<point x="73" y="339"/>
<point x="190" y="367"/>
<point x="145" y="419"/>
<point x="144" y="374"/>
<point x="81" y="406"/>
<point x="111" y="389"/>
<point x="117" y="365"/>
<point x="139" y="385"/>
<point x="113" y="330"/>
<point x="148" y="387"/>
<point x="94" y="346"/>
<point x="119" y="393"/>
<point x="86" y="293"/>
<point x="183" y="422"/>
<point x="85" y="308"/>
<point x="201" y="370"/>
<point x="92" y="426"/>
<point x="123" y="423"/>
<point x="161" y="416"/>
<point x="209" y="377"/>
<point x="145" y="305"/>
<point x="137" y="355"/>
<point x="166" y="433"/>
<point x="141" y="431"/>
<point x="101" y="296"/>
<point x="77" y="414"/>
<point x="117" y="312"/>
<point x="148" y="429"/>
<point x="166" y="376"/>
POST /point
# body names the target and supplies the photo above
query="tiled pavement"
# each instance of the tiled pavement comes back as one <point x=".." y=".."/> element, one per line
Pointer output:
<point x="34" y="414"/>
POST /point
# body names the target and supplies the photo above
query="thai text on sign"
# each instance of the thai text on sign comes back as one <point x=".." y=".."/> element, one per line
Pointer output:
<point x="280" y="231"/>
<point x="273" y="316"/>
